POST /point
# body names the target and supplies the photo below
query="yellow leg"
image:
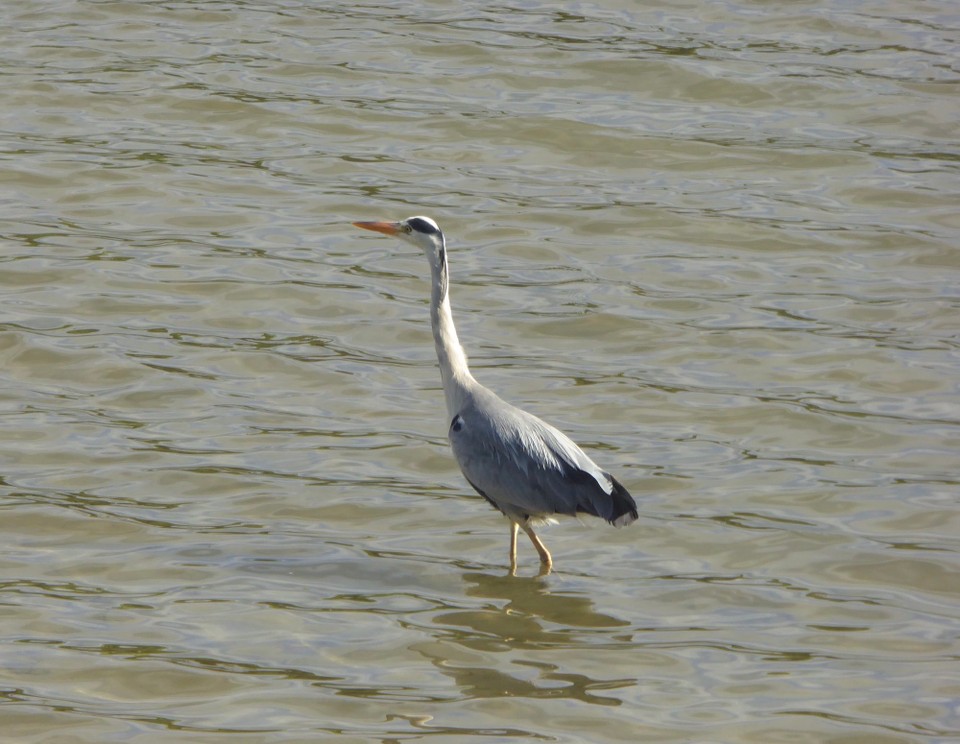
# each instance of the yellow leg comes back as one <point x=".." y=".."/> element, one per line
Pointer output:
<point x="514" y="527"/>
<point x="545" y="558"/>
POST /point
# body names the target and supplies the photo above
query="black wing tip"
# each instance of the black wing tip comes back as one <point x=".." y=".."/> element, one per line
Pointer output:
<point x="624" y="509"/>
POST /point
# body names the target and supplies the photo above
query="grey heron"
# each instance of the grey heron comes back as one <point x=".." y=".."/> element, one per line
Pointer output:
<point x="524" y="467"/>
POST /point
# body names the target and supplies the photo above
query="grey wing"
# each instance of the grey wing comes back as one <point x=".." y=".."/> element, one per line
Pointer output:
<point x="527" y="468"/>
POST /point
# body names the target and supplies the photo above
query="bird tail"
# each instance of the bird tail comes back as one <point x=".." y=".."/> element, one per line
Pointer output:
<point x="623" y="509"/>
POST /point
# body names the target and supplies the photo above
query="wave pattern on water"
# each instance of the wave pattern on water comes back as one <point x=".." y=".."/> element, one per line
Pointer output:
<point x="717" y="243"/>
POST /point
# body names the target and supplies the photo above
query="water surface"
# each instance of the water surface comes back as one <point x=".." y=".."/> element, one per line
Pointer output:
<point x="715" y="242"/>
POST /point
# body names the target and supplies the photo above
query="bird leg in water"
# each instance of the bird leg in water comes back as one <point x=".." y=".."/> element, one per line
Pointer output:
<point x="545" y="558"/>
<point x="546" y="562"/>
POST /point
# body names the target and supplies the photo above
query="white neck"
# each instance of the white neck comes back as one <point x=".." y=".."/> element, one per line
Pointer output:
<point x="453" y="361"/>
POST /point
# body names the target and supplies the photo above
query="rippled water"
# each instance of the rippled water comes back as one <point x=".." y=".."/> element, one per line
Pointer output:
<point x="715" y="242"/>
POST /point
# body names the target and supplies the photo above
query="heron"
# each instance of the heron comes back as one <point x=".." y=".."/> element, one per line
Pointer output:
<point x="523" y="466"/>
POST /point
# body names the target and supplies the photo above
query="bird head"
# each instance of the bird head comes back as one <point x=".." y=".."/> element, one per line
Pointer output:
<point x="422" y="232"/>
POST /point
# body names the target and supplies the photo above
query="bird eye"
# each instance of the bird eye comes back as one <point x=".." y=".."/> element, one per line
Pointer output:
<point x="407" y="229"/>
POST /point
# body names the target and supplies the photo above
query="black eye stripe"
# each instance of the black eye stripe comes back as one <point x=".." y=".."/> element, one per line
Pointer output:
<point x="422" y="226"/>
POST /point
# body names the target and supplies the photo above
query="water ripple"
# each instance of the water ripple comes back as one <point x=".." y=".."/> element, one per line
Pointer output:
<point x="716" y="243"/>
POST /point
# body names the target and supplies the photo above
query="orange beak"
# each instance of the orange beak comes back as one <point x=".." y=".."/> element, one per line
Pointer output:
<point x="387" y="228"/>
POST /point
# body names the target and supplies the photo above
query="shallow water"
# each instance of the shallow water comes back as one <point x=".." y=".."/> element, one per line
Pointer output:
<point x="715" y="242"/>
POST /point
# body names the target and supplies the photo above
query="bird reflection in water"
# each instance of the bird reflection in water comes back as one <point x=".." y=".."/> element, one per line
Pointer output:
<point x="522" y="614"/>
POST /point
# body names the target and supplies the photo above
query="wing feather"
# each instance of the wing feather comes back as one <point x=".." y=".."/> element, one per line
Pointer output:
<point x="528" y="469"/>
